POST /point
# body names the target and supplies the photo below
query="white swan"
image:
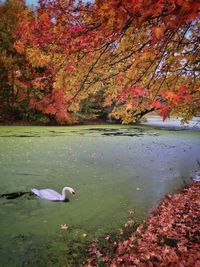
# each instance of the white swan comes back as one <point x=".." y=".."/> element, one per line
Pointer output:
<point x="50" y="194"/>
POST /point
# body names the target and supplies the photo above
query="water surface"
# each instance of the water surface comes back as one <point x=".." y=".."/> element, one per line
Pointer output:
<point x="114" y="169"/>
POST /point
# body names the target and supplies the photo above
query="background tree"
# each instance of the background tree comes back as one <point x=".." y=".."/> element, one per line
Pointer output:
<point x="145" y="54"/>
<point x="11" y="90"/>
<point x="17" y="73"/>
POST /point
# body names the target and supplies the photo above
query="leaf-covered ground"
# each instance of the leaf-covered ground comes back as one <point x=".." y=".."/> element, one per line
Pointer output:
<point x="169" y="237"/>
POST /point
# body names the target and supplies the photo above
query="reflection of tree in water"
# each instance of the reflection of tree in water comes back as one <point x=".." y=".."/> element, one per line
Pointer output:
<point x="137" y="132"/>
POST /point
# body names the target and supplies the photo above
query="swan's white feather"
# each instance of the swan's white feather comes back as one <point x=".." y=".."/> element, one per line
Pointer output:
<point x="48" y="194"/>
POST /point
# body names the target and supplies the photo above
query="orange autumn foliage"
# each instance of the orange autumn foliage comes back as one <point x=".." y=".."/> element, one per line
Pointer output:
<point x="108" y="47"/>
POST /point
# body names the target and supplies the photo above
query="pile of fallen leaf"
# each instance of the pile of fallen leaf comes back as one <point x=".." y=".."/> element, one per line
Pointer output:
<point x="169" y="237"/>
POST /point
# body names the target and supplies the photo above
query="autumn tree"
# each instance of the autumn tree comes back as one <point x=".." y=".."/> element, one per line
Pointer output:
<point x="140" y="56"/>
<point x="10" y="60"/>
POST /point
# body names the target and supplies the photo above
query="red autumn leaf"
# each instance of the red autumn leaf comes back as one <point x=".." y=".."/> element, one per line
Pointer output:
<point x="69" y="68"/>
<point x="170" y="95"/>
<point x="158" y="32"/>
<point x="50" y="109"/>
<point x="156" y="104"/>
<point x="164" y="113"/>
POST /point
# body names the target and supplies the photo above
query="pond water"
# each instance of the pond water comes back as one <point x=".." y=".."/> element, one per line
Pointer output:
<point x="156" y="120"/>
<point x="113" y="168"/>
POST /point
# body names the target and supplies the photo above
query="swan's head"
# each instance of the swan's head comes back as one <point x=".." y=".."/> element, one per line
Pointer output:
<point x="73" y="192"/>
<point x="70" y="190"/>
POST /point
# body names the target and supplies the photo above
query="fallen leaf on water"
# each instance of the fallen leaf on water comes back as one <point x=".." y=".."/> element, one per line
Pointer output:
<point x="131" y="212"/>
<point x="129" y="223"/>
<point x="121" y="231"/>
<point x="64" y="226"/>
<point x="107" y="237"/>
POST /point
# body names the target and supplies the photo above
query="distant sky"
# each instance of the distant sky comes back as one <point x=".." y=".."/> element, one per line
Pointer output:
<point x="28" y="2"/>
<point x="34" y="2"/>
<point x="31" y="2"/>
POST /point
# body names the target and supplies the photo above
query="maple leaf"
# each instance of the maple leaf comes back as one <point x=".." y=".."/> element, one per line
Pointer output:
<point x="156" y="104"/>
<point x="182" y="89"/>
<point x="158" y="32"/>
<point x="50" y="109"/>
<point x="64" y="226"/>
<point x="164" y="113"/>
<point x="19" y="46"/>
<point x="69" y="68"/>
<point x="170" y="96"/>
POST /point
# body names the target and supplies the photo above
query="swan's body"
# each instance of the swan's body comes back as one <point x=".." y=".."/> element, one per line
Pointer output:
<point x="50" y="194"/>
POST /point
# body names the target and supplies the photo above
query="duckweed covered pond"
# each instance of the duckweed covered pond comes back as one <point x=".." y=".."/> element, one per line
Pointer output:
<point x="114" y="169"/>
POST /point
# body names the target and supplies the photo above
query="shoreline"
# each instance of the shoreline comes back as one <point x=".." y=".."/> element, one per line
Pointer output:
<point x="154" y="121"/>
<point x="170" y="236"/>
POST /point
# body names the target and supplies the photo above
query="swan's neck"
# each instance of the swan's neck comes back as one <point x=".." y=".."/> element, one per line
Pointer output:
<point x="65" y="189"/>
